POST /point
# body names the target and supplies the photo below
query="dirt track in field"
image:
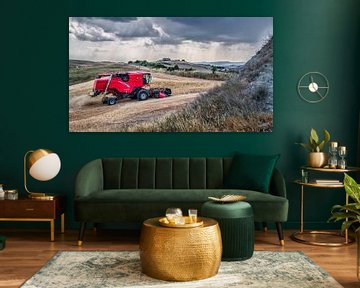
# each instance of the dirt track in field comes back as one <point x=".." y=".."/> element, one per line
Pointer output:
<point x="88" y="114"/>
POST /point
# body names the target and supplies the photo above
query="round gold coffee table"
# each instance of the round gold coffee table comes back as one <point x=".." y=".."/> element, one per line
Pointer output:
<point x="180" y="254"/>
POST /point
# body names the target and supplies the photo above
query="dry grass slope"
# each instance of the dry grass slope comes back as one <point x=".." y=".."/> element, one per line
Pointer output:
<point x="239" y="105"/>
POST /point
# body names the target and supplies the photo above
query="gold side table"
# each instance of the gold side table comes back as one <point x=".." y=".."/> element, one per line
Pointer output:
<point x="297" y="235"/>
<point x="180" y="254"/>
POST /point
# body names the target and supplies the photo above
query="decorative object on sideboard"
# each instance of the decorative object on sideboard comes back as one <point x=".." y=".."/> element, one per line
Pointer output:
<point x="8" y="194"/>
<point x="313" y="87"/>
<point x="333" y="161"/>
<point x="342" y="153"/>
<point x="11" y="194"/>
<point x="43" y="165"/>
<point x="2" y="192"/>
<point x="304" y="176"/>
<point x="317" y="157"/>
<point x="350" y="213"/>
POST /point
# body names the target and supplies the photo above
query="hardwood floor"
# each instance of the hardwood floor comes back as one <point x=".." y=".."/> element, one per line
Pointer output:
<point x="28" y="250"/>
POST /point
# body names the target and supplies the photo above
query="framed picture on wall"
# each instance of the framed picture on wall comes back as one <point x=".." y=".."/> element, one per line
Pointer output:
<point x="170" y="74"/>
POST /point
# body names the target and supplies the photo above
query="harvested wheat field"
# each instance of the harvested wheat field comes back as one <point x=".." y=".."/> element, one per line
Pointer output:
<point x="88" y="114"/>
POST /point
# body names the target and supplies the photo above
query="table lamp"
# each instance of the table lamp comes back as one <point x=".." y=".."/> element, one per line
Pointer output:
<point x="43" y="165"/>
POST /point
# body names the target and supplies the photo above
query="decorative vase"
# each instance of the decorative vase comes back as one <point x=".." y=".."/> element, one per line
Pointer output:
<point x="317" y="159"/>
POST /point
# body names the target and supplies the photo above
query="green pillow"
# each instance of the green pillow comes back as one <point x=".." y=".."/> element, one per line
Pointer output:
<point x="251" y="172"/>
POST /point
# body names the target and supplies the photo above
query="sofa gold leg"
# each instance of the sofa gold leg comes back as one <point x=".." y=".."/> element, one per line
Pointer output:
<point x="280" y="233"/>
<point x="81" y="233"/>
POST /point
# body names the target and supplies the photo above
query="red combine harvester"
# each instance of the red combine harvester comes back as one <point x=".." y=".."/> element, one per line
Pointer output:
<point x="134" y="85"/>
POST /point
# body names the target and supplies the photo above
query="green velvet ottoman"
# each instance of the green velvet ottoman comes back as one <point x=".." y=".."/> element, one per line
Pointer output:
<point x="236" y="221"/>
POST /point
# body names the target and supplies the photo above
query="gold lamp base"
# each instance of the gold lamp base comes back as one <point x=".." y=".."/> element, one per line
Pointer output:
<point x="41" y="196"/>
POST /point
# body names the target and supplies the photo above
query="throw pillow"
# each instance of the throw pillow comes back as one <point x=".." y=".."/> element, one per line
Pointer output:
<point x="251" y="172"/>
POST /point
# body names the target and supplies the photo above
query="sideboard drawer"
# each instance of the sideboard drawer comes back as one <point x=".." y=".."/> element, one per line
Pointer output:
<point x="28" y="209"/>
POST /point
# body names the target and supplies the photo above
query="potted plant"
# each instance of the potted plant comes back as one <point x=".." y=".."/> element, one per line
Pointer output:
<point x="317" y="157"/>
<point x="350" y="214"/>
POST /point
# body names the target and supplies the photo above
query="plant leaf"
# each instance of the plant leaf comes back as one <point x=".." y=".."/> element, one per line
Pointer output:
<point x="352" y="188"/>
<point x="346" y="225"/>
<point x="326" y="136"/>
<point x="350" y="207"/>
<point x="337" y="216"/>
<point x="312" y="144"/>
<point x="314" y="135"/>
<point x="321" y="146"/>
<point x="306" y="146"/>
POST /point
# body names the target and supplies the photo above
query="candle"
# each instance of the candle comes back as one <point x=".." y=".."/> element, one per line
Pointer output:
<point x="333" y="144"/>
<point x="342" y="149"/>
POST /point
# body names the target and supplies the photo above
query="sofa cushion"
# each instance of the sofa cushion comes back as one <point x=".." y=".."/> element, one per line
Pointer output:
<point x="251" y="172"/>
<point x="266" y="207"/>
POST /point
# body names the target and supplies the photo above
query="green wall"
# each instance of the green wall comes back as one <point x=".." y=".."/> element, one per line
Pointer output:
<point x="309" y="35"/>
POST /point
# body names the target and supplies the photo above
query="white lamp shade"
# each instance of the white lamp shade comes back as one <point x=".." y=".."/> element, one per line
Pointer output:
<point x="46" y="168"/>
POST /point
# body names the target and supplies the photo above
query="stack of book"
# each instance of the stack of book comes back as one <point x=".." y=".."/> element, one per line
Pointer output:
<point x="327" y="181"/>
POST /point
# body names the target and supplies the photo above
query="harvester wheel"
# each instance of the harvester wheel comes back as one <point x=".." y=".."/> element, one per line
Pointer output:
<point x="142" y="95"/>
<point x="111" y="101"/>
<point x="167" y="91"/>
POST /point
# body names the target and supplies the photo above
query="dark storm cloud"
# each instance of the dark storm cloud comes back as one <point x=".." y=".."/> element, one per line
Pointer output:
<point x="172" y="30"/>
<point x="113" y="19"/>
<point x="118" y="19"/>
<point x="110" y="28"/>
<point x="228" y="30"/>
<point x="82" y="28"/>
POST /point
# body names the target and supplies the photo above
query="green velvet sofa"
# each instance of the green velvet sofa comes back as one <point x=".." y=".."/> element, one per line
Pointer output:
<point x="130" y="190"/>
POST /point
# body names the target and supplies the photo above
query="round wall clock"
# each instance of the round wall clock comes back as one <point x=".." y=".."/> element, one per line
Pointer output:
<point x="313" y="87"/>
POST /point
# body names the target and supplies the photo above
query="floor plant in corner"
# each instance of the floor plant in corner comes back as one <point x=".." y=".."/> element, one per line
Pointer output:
<point x="350" y="214"/>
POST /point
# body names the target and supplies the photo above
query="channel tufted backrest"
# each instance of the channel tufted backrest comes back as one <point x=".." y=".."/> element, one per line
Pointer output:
<point x="164" y="173"/>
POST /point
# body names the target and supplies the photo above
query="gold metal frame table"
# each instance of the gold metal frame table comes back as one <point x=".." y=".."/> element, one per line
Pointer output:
<point x="180" y="254"/>
<point x="297" y="235"/>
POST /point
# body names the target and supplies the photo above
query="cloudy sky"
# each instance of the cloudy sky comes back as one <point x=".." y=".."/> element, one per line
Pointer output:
<point x="151" y="38"/>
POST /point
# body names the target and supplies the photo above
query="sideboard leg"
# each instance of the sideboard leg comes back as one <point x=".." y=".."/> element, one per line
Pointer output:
<point x="81" y="233"/>
<point x="62" y="223"/>
<point x="52" y="230"/>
